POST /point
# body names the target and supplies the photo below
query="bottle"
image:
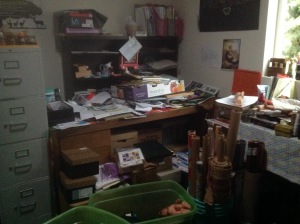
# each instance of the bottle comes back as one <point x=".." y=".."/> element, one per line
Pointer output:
<point x="252" y="162"/>
<point x="57" y="94"/>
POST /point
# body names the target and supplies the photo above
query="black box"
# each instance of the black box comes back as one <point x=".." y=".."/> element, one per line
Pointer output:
<point x="79" y="162"/>
<point x="156" y="153"/>
<point x="59" y="112"/>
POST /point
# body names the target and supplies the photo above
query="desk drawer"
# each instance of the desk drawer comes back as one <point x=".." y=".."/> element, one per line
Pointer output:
<point x="23" y="119"/>
<point x="98" y="141"/>
<point x="25" y="202"/>
<point x="23" y="161"/>
<point x="20" y="74"/>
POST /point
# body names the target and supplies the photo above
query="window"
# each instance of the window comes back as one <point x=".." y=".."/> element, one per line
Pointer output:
<point x="288" y="29"/>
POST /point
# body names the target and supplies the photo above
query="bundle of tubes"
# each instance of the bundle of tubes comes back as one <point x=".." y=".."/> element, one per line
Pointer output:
<point x="210" y="166"/>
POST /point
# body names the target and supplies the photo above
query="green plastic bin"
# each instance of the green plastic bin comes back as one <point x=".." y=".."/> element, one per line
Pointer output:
<point x="145" y="201"/>
<point x="86" y="215"/>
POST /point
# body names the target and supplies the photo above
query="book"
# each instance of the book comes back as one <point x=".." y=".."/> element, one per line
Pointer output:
<point x="82" y="30"/>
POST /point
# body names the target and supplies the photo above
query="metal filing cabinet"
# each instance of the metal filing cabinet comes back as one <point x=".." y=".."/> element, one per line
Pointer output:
<point x="24" y="171"/>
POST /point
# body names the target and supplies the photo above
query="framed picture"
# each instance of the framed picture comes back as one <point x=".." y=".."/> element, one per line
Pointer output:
<point x="231" y="53"/>
<point x="220" y="15"/>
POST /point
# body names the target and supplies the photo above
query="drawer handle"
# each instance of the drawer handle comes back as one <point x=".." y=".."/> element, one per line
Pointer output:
<point x="26" y="208"/>
<point x="26" y="193"/>
<point x="18" y="127"/>
<point x="22" y="153"/>
<point x="22" y="168"/>
<point x="12" y="81"/>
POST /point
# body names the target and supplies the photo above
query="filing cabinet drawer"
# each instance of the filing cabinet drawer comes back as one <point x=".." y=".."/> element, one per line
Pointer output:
<point x="23" y="161"/>
<point x="98" y="141"/>
<point x="23" y="119"/>
<point x="20" y="73"/>
<point x="25" y="202"/>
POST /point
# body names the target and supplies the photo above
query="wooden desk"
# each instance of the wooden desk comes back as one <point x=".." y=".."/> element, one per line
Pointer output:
<point x="97" y="136"/>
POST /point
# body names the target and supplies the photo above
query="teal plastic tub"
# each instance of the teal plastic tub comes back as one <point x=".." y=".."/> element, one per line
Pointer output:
<point x="86" y="215"/>
<point x="145" y="201"/>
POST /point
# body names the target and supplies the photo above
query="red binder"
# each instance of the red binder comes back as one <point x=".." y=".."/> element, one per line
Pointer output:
<point x="247" y="81"/>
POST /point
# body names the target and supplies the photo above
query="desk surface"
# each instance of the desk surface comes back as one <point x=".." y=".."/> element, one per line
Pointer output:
<point x="110" y="124"/>
<point x="283" y="154"/>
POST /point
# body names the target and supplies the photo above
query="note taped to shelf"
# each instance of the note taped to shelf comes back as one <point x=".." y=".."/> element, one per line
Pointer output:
<point x="130" y="48"/>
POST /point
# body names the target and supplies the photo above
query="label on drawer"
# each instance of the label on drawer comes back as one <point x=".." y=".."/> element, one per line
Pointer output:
<point x="82" y="193"/>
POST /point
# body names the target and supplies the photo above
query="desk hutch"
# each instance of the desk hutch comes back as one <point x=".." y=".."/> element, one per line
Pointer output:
<point x="94" y="50"/>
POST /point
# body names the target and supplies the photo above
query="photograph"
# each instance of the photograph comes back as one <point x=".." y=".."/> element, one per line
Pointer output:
<point x="231" y="54"/>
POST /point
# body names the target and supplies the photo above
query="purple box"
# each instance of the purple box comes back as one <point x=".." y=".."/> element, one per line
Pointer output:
<point x="135" y="92"/>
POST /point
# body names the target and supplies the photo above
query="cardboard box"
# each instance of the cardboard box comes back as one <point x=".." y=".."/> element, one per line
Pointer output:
<point x="143" y="175"/>
<point x="130" y="91"/>
<point x="174" y="86"/>
<point x="75" y="190"/>
<point x="79" y="162"/>
<point x="150" y="134"/>
<point x="59" y="112"/>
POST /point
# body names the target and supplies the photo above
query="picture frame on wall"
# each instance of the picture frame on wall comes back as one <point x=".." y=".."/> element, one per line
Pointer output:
<point x="231" y="53"/>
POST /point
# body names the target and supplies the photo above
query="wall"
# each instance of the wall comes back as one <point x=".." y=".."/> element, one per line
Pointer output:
<point x="252" y="52"/>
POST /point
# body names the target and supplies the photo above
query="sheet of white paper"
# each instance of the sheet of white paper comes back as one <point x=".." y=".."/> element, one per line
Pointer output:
<point x="210" y="57"/>
<point x="130" y="48"/>
<point x="230" y="101"/>
<point x="111" y="111"/>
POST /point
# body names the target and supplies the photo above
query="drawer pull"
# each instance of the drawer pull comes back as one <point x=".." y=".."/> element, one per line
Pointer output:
<point x="26" y="193"/>
<point x="12" y="81"/>
<point x="22" y="168"/>
<point x="11" y="65"/>
<point x="21" y="153"/>
<point x="18" y="127"/>
<point x="17" y="111"/>
<point x="26" y="208"/>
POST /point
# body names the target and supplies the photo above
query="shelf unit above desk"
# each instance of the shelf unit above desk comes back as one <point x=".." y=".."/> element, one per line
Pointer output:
<point x="94" y="50"/>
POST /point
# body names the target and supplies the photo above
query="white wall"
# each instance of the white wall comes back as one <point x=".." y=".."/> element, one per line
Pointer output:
<point x="252" y="54"/>
<point x="252" y="50"/>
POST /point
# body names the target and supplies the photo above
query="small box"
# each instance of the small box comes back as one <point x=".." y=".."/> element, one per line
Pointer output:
<point x="285" y="128"/>
<point x="155" y="152"/>
<point x="76" y="190"/>
<point x="59" y="112"/>
<point x="129" y="159"/>
<point x="143" y="175"/>
<point x="150" y="134"/>
<point x="80" y="162"/>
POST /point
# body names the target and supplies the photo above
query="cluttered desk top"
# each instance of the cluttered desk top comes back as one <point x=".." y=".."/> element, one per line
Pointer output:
<point x="131" y="117"/>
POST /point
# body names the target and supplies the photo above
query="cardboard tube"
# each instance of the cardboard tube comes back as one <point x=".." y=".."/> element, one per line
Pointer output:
<point x="190" y="134"/>
<point x="235" y="118"/>
<point x="210" y="134"/>
<point x="220" y="148"/>
<point x="193" y="157"/>
<point x="218" y="130"/>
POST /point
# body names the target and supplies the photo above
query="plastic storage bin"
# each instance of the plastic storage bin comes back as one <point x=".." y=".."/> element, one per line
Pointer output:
<point x="88" y="215"/>
<point x="145" y="201"/>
